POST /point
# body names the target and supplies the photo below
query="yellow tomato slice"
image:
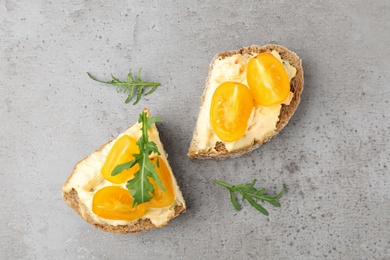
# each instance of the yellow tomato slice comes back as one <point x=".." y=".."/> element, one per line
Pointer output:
<point x="231" y="107"/>
<point x="267" y="79"/>
<point x="114" y="202"/>
<point x="121" y="152"/>
<point x="162" y="198"/>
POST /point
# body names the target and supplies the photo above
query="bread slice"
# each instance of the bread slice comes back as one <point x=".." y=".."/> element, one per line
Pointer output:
<point x="86" y="177"/>
<point x="219" y="151"/>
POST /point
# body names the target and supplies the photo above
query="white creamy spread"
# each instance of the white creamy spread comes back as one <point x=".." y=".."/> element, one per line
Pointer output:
<point x="262" y="122"/>
<point x="87" y="179"/>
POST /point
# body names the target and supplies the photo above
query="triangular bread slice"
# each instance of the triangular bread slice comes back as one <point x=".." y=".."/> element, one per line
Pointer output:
<point x="87" y="178"/>
<point x="218" y="150"/>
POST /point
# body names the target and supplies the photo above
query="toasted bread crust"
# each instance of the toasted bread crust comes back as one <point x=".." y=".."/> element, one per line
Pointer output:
<point x="72" y="199"/>
<point x="219" y="152"/>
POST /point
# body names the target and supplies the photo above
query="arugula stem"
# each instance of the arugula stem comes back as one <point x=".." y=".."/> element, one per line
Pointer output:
<point x="224" y="184"/>
<point x="258" y="196"/>
<point x="98" y="80"/>
<point x="145" y="134"/>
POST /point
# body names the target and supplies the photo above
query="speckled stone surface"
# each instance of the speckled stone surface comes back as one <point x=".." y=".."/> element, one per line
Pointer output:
<point x="333" y="156"/>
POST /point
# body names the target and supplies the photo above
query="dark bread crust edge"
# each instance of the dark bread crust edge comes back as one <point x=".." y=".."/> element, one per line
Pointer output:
<point x="72" y="199"/>
<point x="143" y="224"/>
<point x="296" y="86"/>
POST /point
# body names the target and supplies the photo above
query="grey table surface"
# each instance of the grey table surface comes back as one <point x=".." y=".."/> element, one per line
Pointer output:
<point x="333" y="156"/>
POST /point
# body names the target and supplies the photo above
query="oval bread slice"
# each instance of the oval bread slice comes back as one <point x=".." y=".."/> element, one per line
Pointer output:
<point x="219" y="151"/>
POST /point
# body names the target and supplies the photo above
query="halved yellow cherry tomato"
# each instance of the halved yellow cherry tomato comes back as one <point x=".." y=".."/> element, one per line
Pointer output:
<point x="114" y="202"/>
<point x="121" y="152"/>
<point x="231" y="107"/>
<point x="162" y="198"/>
<point x="267" y="79"/>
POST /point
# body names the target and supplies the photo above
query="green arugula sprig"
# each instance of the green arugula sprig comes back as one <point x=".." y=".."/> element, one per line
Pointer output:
<point x="141" y="189"/>
<point x="131" y="85"/>
<point x="252" y="195"/>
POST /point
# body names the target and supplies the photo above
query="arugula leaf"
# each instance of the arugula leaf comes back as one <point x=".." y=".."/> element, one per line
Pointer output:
<point x="121" y="167"/>
<point x="140" y="188"/>
<point x="252" y="195"/>
<point x="234" y="201"/>
<point x="131" y="85"/>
